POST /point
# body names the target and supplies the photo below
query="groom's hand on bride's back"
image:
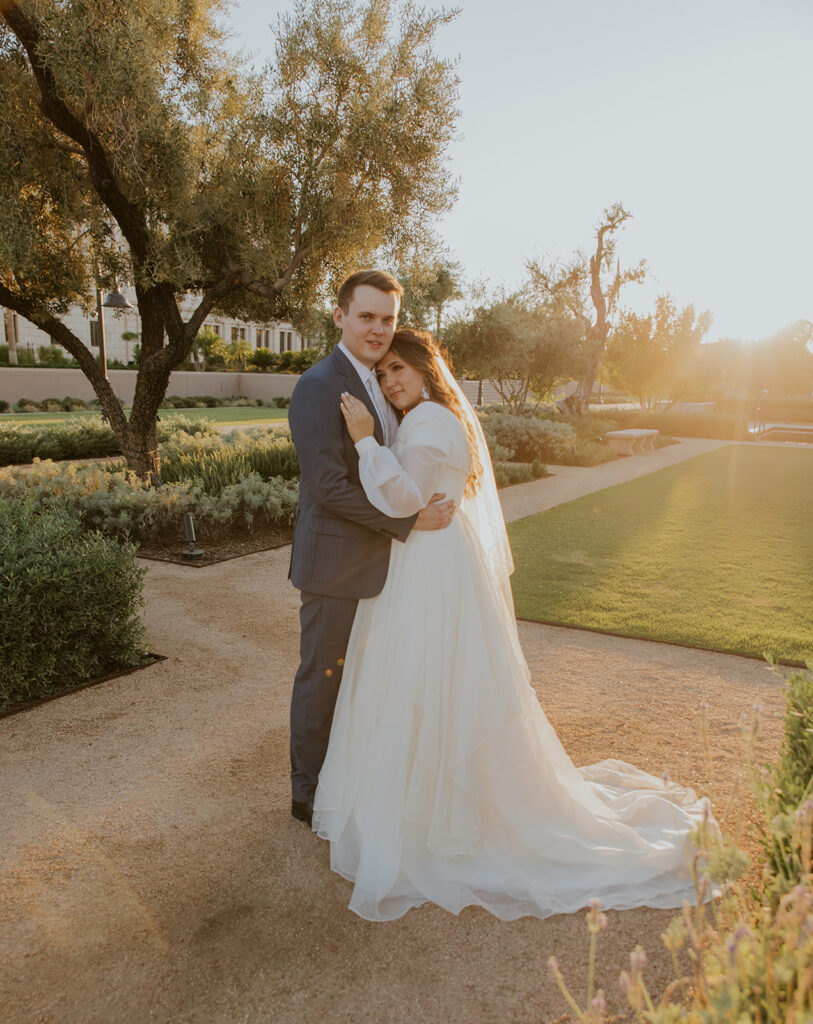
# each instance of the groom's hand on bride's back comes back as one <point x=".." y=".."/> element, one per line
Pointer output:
<point x="437" y="515"/>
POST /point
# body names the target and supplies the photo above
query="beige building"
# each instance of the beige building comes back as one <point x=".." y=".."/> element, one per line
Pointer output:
<point x="276" y="337"/>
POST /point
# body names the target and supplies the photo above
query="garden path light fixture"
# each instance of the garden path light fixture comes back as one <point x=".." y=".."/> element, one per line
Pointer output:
<point x="114" y="300"/>
<point x="194" y="554"/>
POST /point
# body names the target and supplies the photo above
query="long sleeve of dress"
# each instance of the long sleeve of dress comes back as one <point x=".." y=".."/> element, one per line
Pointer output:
<point x="403" y="488"/>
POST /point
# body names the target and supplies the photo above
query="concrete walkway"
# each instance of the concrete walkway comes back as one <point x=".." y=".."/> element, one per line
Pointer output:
<point x="150" y="870"/>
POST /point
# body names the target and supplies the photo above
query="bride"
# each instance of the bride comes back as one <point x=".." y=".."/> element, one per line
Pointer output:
<point x="443" y="780"/>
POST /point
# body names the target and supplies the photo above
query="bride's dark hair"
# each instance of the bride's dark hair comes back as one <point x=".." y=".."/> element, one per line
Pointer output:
<point x="419" y="349"/>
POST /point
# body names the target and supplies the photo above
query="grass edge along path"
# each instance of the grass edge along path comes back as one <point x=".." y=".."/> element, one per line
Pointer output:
<point x="714" y="553"/>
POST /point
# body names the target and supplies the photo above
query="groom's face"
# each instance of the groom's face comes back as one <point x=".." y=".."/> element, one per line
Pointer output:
<point x="369" y="323"/>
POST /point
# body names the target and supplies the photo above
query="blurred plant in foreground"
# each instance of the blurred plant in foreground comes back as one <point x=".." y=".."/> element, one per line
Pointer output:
<point x="736" y="959"/>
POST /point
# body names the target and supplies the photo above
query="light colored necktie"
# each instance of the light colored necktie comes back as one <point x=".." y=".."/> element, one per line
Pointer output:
<point x="380" y="404"/>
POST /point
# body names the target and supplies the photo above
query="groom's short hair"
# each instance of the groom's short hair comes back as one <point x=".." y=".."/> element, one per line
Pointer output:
<point x="379" y="279"/>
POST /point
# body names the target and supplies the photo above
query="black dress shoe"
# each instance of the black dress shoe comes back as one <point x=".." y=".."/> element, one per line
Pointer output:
<point x="302" y="812"/>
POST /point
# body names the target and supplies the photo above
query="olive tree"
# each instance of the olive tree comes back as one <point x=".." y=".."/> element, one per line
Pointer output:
<point x="587" y="288"/>
<point x="523" y="348"/>
<point x="134" y="147"/>
<point x="655" y="357"/>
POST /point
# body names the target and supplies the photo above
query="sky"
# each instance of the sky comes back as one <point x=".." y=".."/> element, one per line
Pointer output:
<point x="695" y="114"/>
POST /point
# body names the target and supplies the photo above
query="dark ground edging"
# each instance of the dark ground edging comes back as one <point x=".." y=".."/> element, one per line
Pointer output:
<point x="28" y="705"/>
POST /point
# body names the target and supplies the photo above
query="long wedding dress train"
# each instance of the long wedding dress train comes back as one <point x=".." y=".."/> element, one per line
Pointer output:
<point x="443" y="780"/>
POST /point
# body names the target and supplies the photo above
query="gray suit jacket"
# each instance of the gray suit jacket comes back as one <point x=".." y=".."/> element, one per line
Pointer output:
<point x="341" y="542"/>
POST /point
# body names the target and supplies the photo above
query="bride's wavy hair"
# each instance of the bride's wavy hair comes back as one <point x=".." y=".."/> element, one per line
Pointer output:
<point x="421" y="351"/>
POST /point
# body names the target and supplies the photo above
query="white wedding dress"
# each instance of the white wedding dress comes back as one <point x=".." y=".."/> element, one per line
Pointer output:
<point x="443" y="780"/>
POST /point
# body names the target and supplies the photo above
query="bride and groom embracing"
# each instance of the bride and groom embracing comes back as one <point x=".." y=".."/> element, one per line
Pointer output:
<point x="418" y="746"/>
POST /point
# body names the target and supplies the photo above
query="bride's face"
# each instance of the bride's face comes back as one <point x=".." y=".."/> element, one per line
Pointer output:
<point x="400" y="382"/>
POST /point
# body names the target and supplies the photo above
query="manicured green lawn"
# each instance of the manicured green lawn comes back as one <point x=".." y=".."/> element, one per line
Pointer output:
<point x="715" y="552"/>
<point x="229" y="414"/>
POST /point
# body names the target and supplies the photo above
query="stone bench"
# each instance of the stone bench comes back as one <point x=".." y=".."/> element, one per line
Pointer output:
<point x="630" y="442"/>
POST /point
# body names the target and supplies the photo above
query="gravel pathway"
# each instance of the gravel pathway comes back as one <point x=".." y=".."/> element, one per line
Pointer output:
<point x="150" y="870"/>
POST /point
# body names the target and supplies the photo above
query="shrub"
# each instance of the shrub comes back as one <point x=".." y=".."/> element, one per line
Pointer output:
<point x="280" y="402"/>
<point x="264" y="359"/>
<point x="177" y="402"/>
<point x="52" y="355"/>
<point x="682" y="424"/>
<point x="27" y="405"/>
<point x="198" y="427"/>
<point x="71" y="598"/>
<point x="527" y="437"/>
<point x="74" y="439"/>
<point x="4" y="405"/>
<point x="787" y="792"/>
<point x="215" y="462"/>
<point x="115" y="501"/>
<point x="69" y="404"/>
<point x="508" y="473"/>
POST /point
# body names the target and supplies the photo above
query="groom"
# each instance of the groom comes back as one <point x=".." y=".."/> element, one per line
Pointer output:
<point x="341" y="543"/>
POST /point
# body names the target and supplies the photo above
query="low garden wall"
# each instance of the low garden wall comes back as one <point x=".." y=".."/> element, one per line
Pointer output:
<point x="39" y="383"/>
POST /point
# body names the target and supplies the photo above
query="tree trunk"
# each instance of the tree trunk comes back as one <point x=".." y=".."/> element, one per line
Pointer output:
<point x="140" y="448"/>
<point x="11" y="337"/>
<point x="139" y="437"/>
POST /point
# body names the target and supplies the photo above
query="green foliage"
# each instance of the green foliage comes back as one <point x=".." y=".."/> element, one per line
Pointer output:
<point x="526" y="438"/>
<point x="53" y="355"/>
<point x="509" y="473"/>
<point x="25" y="356"/>
<point x="115" y="501"/>
<point x="655" y="357"/>
<point x="264" y="359"/>
<point x="68" y="404"/>
<point x="215" y="462"/>
<point x="170" y="427"/>
<point x="70" y="601"/>
<point x="75" y="439"/>
<point x="524" y="349"/>
<point x="133" y="143"/>
<point x="787" y="792"/>
<point x="428" y="289"/>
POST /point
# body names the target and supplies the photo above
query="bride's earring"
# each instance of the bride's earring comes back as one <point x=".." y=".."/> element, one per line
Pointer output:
<point x="424" y="393"/>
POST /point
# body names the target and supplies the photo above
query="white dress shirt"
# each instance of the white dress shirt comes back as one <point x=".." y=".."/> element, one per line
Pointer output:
<point x="386" y="413"/>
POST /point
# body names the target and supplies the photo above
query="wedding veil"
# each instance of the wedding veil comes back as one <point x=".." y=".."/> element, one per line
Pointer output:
<point x="483" y="509"/>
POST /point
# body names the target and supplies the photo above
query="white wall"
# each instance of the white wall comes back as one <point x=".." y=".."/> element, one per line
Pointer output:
<point x="39" y="383"/>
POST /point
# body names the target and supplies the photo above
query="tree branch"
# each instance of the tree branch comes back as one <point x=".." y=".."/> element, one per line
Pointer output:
<point x="271" y="291"/>
<point x="130" y="218"/>
<point x="57" y="330"/>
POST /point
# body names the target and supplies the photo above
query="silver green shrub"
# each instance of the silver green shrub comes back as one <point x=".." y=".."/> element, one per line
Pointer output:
<point x="70" y="599"/>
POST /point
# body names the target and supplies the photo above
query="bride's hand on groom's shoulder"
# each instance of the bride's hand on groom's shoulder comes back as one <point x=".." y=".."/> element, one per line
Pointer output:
<point x="437" y="515"/>
<point x="358" y="418"/>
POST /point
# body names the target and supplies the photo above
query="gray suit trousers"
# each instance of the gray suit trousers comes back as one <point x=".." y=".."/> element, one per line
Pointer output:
<point x="325" y="630"/>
